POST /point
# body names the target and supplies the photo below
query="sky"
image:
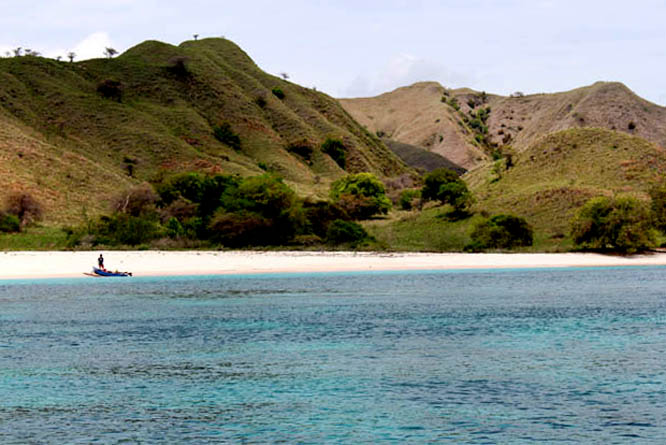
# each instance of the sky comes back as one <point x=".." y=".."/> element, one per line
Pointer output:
<point x="360" y="48"/>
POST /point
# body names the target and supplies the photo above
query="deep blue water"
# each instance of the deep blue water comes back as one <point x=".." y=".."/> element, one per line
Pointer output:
<point x="521" y="356"/>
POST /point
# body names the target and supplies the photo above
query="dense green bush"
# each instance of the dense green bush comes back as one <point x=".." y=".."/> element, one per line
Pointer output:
<point x="205" y="193"/>
<point x="407" y="198"/>
<point x="110" y="89"/>
<point x="658" y="205"/>
<point x="273" y="212"/>
<point x="623" y="224"/>
<point x="9" y="222"/>
<point x="361" y="195"/>
<point x="177" y="66"/>
<point x="445" y="186"/>
<point x="336" y="150"/>
<point x="302" y="150"/>
<point x="501" y="232"/>
<point x="225" y="134"/>
<point x="341" y="232"/>
<point x="125" y="229"/>
<point x="277" y="92"/>
<point x="242" y="228"/>
<point x="320" y="214"/>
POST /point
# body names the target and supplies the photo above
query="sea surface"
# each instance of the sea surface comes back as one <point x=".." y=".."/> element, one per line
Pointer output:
<point x="503" y="356"/>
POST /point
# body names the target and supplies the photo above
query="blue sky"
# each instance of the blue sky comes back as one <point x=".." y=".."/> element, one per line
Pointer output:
<point x="362" y="48"/>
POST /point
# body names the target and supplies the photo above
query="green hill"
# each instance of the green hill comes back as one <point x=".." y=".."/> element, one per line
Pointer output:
<point x="73" y="134"/>
<point x="559" y="172"/>
<point x="548" y="182"/>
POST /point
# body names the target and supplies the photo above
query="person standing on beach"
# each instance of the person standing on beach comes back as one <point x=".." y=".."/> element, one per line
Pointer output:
<point x="100" y="261"/>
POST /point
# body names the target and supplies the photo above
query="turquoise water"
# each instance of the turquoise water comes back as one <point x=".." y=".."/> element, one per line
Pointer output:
<point x="537" y="356"/>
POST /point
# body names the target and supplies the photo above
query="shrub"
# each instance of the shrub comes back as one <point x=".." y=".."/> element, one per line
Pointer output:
<point x="502" y="232"/>
<point x="268" y="197"/>
<point x="25" y="207"/>
<point x="226" y="135"/>
<point x="206" y="192"/>
<point x="361" y="195"/>
<point x="277" y="92"/>
<point x="336" y="150"/>
<point x="174" y="229"/>
<point x="241" y="229"/>
<point x="445" y="186"/>
<point x="658" y="204"/>
<point x="624" y="224"/>
<point x="340" y="232"/>
<point x="319" y="216"/>
<point x="177" y="66"/>
<point x="302" y="150"/>
<point x="9" y="223"/>
<point x="260" y="101"/>
<point x="125" y="229"/>
<point x="407" y="198"/>
<point x="110" y="89"/>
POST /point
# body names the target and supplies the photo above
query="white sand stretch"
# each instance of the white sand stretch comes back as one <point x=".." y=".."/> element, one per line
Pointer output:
<point x="150" y="263"/>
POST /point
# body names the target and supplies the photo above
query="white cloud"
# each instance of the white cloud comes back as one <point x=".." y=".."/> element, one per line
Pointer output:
<point x="93" y="46"/>
<point x="4" y="49"/>
<point x="403" y="70"/>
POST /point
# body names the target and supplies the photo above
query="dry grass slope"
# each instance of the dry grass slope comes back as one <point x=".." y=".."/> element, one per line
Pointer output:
<point x="417" y="115"/>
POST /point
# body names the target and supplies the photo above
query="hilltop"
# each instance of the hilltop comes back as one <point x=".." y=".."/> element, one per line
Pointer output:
<point x="74" y="134"/>
<point x="439" y="119"/>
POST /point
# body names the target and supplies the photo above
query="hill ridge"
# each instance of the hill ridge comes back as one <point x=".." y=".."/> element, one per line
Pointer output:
<point x="155" y="107"/>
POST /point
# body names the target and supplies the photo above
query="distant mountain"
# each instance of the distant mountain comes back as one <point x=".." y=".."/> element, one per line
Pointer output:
<point x="73" y="134"/>
<point x="441" y="120"/>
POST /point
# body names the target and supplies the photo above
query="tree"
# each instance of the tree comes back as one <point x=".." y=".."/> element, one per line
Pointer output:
<point x="196" y="36"/>
<point x="623" y="224"/>
<point x="340" y="232"/>
<point x="137" y="201"/>
<point x="17" y="51"/>
<point x="71" y="55"/>
<point x="284" y="75"/>
<point x="445" y="186"/>
<point x="658" y="205"/>
<point x="110" y="52"/>
<point x="225" y="134"/>
<point x="261" y="210"/>
<point x="501" y="232"/>
<point x="360" y="195"/>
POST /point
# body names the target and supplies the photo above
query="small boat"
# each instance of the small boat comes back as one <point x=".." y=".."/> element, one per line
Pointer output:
<point x="107" y="273"/>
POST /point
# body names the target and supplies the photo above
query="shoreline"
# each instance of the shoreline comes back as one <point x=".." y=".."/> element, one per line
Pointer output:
<point x="61" y="264"/>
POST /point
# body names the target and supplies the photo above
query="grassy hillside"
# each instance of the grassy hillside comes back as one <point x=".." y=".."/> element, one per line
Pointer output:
<point x="439" y="119"/>
<point x="549" y="181"/>
<point x="73" y="144"/>
<point x="559" y="172"/>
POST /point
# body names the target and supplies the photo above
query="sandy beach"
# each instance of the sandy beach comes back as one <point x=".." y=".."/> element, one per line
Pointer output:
<point x="15" y="265"/>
